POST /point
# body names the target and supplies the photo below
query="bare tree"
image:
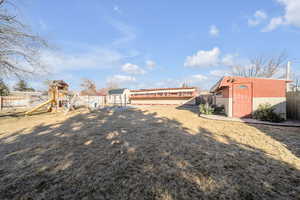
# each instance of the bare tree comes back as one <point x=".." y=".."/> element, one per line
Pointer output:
<point x="261" y="66"/>
<point x="88" y="87"/>
<point x="296" y="83"/>
<point x="19" y="49"/>
<point x="112" y="85"/>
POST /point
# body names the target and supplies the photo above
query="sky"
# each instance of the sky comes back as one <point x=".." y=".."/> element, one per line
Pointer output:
<point x="151" y="44"/>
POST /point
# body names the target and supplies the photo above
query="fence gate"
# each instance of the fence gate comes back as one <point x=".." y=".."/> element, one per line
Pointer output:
<point x="293" y="105"/>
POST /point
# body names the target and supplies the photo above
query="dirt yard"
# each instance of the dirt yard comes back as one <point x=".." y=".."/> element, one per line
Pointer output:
<point x="147" y="153"/>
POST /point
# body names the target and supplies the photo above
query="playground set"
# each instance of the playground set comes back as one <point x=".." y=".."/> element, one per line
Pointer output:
<point x="59" y="98"/>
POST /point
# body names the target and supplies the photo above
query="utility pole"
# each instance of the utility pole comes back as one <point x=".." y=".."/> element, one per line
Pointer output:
<point x="288" y="76"/>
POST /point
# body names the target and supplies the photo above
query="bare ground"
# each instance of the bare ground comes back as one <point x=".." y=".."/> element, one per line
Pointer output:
<point x="148" y="153"/>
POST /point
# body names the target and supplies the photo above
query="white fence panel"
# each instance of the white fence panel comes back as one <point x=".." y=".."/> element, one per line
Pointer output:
<point x="91" y="101"/>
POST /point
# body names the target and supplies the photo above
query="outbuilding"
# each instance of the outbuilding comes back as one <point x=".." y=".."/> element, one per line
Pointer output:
<point x="163" y="96"/>
<point x="118" y="96"/>
<point x="241" y="96"/>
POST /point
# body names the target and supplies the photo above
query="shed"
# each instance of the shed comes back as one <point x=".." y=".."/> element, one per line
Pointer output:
<point x="164" y="96"/>
<point x="241" y="96"/>
<point x="118" y="96"/>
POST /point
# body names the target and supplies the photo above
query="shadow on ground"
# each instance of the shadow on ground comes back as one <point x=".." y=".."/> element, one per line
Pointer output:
<point x="288" y="136"/>
<point x="136" y="155"/>
<point x="18" y="114"/>
<point x="193" y="108"/>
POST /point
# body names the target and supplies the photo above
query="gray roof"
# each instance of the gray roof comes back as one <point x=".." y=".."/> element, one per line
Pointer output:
<point x="216" y="86"/>
<point x="116" y="91"/>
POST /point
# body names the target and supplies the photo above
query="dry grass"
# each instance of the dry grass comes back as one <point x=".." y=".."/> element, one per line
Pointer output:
<point x="150" y="153"/>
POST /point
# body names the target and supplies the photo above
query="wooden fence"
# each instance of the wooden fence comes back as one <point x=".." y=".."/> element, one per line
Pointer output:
<point x="293" y="105"/>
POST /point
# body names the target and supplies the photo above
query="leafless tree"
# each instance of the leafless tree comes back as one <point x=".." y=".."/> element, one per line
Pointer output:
<point x="112" y="85"/>
<point x="102" y="91"/>
<point x="19" y="48"/>
<point x="296" y="82"/>
<point x="88" y="87"/>
<point x="261" y="66"/>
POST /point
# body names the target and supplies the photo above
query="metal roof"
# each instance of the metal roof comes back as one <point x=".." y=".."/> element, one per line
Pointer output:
<point x="116" y="91"/>
<point x="155" y="89"/>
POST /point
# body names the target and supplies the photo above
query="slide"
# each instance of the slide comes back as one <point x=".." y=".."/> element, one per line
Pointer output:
<point x="38" y="107"/>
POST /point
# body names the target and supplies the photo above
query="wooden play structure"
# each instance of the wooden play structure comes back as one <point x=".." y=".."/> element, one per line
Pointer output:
<point x="58" y="97"/>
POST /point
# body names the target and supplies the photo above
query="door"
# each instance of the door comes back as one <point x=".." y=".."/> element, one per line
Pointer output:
<point x="242" y="100"/>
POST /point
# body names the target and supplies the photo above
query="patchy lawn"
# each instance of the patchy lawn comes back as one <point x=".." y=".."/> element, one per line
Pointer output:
<point x="148" y="153"/>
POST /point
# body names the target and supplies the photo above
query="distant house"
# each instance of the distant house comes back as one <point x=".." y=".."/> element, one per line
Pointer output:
<point x="241" y="96"/>
<point x="163" y="96"/>
<point x="118" y="96"/>
<point x="102" y="92"/>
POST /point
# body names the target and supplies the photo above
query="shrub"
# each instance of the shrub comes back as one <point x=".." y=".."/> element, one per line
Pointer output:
<point x="266" y="112"/>
<point x="219" y="110"/>
<point x="206" y="109"/>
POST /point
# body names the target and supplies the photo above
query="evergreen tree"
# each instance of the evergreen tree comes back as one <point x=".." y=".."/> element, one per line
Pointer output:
<point x="22" y="86"/>
<point x="4" y="90"/>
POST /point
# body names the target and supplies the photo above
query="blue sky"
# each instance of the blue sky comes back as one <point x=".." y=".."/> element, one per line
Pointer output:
<point x="142" y="44"/>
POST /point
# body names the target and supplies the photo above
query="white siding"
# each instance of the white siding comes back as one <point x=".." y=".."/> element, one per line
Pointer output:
<point x="227" y="103"/>
<point x="278" y="102"/>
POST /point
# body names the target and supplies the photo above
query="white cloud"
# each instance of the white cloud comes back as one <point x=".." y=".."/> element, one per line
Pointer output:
<point x="257" y="18"/>
<point x="95" y="58"/>
<point x="274" y="23"/>
<point x="193" y="80"/>
<point x="229" y="59"/>
<point x="214" y="31"/>
<point x="203" y="58"/>
<point x="290" y="17"/>
<point x="199" y="78"/>
<point x="117" y="9"/>
<point x="219" y="73"/>
<point x="167" y="83"/>
<point x="260" y="14"/>
<point x="121" y="79"/>
<point x="132" y="69"/>
<point x="292" y="14"/>
<point x="127" y="32"/>
<point x="150" y="64"/>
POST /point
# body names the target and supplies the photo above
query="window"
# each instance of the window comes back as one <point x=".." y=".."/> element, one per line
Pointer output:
<point x="242" y="86"/>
